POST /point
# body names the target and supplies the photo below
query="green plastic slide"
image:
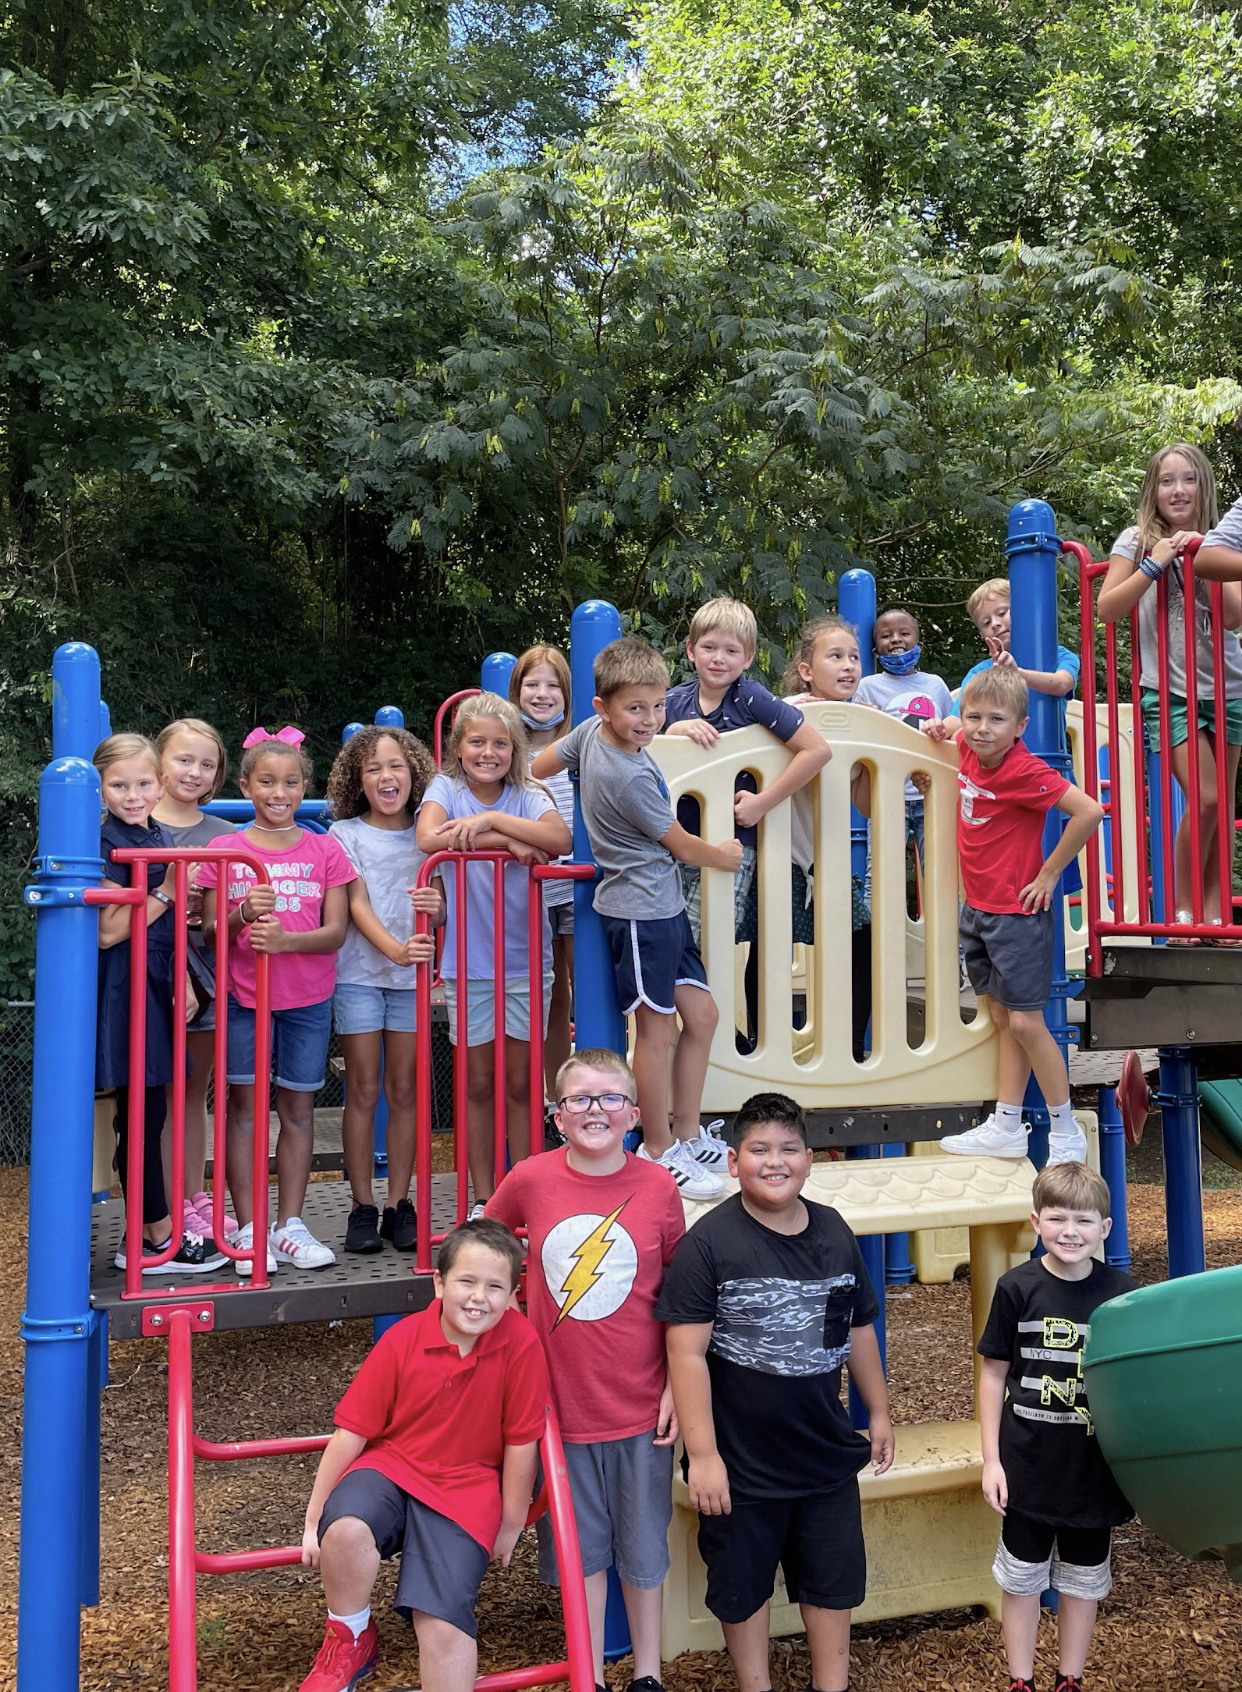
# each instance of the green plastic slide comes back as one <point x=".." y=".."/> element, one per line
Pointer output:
<point x="1163" y="1371"/>
<point x="1220" y="1119"/>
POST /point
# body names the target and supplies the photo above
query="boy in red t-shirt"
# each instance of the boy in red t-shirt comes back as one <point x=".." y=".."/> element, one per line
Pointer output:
<point x="602" y="1226"/>
<point x="1007" y="925"/>
<point x="434" y="1456"/>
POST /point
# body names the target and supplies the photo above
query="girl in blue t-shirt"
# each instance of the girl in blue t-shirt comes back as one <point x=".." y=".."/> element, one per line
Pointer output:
<point x="486" y="800"/>
<point x="131" y="782"/>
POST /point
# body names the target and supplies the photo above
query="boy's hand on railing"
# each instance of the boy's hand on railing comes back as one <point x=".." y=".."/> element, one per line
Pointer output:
<point x="310" y="1547"/>
<point x="730" y="856"/>
<point x="995" y="1486"/>
<point x="266" y="935"/>
<point x="708" y="1481"/>
<point x="1037" y="895"/>
<point x="697" y="729"/>
<point x="748" y="809"/>
<point x="935" y="728"/>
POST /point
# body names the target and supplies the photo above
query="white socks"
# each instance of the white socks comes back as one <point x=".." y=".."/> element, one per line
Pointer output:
<point x="355" y="1623"/>
<point x="1061" y="1119"/>
<point x="1008" y="1117"/>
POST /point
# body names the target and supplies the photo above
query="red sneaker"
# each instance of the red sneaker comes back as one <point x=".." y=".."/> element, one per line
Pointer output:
<point x="343" y="1660"/>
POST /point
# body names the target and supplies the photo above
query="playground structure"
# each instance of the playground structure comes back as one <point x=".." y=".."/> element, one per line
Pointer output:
<point x="924" y="1076"/>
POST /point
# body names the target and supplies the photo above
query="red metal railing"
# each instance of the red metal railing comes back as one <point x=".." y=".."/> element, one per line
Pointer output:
<point x="135" y="897"/>
<point x="455" y="863"/>
<point x="448" y="709"/>
<point x="185" y="1560"/>
<point x="1155" y="810"/>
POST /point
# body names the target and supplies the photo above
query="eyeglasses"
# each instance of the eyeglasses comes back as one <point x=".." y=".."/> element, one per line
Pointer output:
<point x="577" y="1104"/>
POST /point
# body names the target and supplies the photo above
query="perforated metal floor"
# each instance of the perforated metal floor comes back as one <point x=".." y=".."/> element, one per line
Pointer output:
<point x="354" y="1286"/>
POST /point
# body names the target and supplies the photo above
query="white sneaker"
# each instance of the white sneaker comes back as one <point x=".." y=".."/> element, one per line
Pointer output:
<point x="476" y="1212"/>
<point x="707" y="1149"/>
<point x="1070" y="1147"/>
<point x="241" y="1241"/>
<point x="693" y="1181"/>
<point x="989" y="1139"/>
<point x="294" y="1244"/>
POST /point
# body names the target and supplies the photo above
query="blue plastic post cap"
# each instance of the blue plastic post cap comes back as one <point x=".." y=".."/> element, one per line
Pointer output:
<point x="350" y="730"/>
<point x="390" y="716"/>
<point x="1031" y="519"/>
<point x="596" y="611"/>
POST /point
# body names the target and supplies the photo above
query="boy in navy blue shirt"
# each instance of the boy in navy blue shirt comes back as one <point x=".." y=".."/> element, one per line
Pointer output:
<point x="721" y="646"/>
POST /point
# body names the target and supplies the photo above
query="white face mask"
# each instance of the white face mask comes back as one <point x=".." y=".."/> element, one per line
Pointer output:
<point x="548" y="723"/>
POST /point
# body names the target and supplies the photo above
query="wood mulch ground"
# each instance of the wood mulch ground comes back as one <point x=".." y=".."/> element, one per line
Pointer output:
<point x="1169" y="1624"/>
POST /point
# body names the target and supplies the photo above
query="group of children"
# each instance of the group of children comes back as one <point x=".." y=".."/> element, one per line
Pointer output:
<point x="733" y="1337"/>
<point x="766" y="1299"/>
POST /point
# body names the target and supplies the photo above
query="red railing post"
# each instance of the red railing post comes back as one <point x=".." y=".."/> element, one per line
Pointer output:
<point x="182" y="1629"/>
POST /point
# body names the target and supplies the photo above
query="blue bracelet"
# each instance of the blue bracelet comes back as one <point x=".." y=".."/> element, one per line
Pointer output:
<point x="1151" y="569"/>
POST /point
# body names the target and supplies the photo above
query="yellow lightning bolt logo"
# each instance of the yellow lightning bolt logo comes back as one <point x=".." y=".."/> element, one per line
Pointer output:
<point x="586" y="1270"/>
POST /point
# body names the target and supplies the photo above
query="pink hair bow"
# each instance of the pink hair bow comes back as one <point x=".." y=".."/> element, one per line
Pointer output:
<point x="290" y="735"/>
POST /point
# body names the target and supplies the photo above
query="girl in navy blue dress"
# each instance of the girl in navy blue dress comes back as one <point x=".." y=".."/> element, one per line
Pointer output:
<point x="131" y="783"/>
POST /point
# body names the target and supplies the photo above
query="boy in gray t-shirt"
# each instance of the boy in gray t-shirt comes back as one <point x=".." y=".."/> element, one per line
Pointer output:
<point x="637" y="843"/>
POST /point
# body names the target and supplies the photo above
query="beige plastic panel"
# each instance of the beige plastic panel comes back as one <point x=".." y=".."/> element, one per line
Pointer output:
<point x="1123" y="792"/>
<point x="954" y="1061"/>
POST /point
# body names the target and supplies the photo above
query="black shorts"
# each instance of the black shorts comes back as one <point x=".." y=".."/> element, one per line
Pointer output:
<point x="651" y="959"/>
<point x="1026" y="1566"/>
<point x="1009" y="956"/>
<point x="442" y="1567"/>
<point x="817" y="1540"/>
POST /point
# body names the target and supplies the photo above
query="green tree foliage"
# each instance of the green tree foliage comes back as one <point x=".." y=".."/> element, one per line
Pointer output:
<point x="341" y="344"/>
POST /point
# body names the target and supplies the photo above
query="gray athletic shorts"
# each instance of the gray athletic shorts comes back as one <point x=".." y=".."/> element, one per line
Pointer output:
<point x="623" y="1502"/>
<point x="1008" y="956"/>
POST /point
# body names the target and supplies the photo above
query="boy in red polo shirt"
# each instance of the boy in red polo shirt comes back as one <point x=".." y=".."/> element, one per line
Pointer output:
<point x="602" y="1227"/>
<point x="1007" y="926"/>
<point x="434" y="1456"/>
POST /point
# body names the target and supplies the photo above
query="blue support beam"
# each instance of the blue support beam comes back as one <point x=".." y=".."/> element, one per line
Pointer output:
<point x="597" y="1015"/>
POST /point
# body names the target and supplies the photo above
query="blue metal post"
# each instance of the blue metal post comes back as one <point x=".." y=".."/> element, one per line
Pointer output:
<point x="597" y="1015"/>
<point x="1113" y="1169"/>
<point x="56" y="1323"/>
<point x="1032" y="548"/>
<point x="872" y="1249"/>
<point x="1178" y="1099"/>
<point x="497" y="668"/>
<point x="96" y="1381"/>
<point x="390" y="717"/>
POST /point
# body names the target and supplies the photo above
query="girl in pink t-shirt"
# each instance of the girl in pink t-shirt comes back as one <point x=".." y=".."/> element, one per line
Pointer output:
<point x="299" y="922"/>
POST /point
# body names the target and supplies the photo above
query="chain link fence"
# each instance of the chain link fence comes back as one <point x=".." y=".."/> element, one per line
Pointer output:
<point x="17" y="1073"/>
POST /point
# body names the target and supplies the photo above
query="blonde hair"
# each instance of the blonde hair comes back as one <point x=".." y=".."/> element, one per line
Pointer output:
<point x="602" y="1058"/>
<point x="725" y="616"/>
<point x="628" y="662"/>
<point x="995" y="588"/>
<point x="811" y="635"/>
<point x="1072" y="1186"/>
<point x="996" y="687"/>
<point x="196" y="725"/>
<point x="491" y="705"/>
<point x="118" y="747"/>
<point x="530" y="660"/>
<point x="1151" y="525"/>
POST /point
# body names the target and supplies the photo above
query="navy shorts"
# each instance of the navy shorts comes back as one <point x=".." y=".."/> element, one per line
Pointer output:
<point x="652" y="958"/>
<point x="816" y="1539"/>
<point x="1008" y="956"/>
<point x="442" y="1567"/>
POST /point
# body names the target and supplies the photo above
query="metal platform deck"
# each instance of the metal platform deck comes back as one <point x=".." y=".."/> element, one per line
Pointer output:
<point x="1164" y="996"/>
<point x="382" y="1284"/>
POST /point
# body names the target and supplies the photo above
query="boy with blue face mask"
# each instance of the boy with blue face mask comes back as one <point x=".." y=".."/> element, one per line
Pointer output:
<point x="901" y="689"/>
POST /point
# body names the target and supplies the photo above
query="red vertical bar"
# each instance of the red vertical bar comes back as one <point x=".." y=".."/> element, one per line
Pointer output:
<point x="535" y="910"/>
<point x="219" y="1103"/>
<point x="1166" y="754"/>
<point x="182" y="1628"/>
<point x="1118" y="902"/>
<point x="422" y="1090"/>
<point x="1190" y="628"/>
<point x="262" y="1116"/>
<point x="1144" y="900"/>
<point x="1224" y="798"/>
<point x="134" y="1203"/>
<point x="177" y="1126"/>
<point x="461" y="1078"/>
<point x="500" y="1042"/>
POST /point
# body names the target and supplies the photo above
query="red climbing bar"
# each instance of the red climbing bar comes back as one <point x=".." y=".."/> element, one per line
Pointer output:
<point x="448" y="709"/>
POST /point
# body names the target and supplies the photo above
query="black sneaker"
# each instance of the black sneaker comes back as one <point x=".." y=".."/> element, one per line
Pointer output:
<point x="553" y="1139"/>
<point x="195" y="1256"/>
<point x="645" y="1683"/>
<point x="404" y="1234"/>
<point x="361" y="1232"/>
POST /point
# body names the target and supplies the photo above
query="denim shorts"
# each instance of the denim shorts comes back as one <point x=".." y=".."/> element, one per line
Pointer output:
<point x="481" y="1018"/>
<point x="299" y="1045"/>
<point x="371" y="1010"/>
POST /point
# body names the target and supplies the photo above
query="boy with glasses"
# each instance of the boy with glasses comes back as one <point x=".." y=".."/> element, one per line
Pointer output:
<point x="602" y="1225"/>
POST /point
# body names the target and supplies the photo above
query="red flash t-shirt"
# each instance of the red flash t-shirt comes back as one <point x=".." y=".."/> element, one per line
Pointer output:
<point x="1000" y="824"/>
<point x="599" y="1246"/>
<point x="437" y="1423"/>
